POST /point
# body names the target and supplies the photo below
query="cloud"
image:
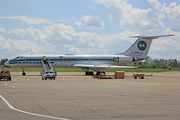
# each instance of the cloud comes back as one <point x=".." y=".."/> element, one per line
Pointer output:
<point x="62" y="39"/>
<point x="172" y="12"/>
<point x="61" y="20"/>
<point x="156" y="5"/>
<point x="168" y="46"/>
<point x="27" y="20"/>
<point x="35" y="33"/>
<point x="19" y="32"/>
<point x="12" y="48"/>
<point x="2" y="30"/>
<point x="132" y="18"/>
<point x="4" y="43"/>
<point x="90" y="22"/>
<point x="92" y="7"/>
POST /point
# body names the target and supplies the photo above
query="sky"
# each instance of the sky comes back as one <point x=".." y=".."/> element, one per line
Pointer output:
<point x="93" y="27"/>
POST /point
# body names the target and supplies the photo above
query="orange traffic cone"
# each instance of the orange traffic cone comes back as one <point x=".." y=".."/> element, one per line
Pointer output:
<point x="151" y="74"/>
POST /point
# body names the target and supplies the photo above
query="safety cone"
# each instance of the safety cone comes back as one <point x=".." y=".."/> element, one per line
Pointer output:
<point x="151" y="74"/>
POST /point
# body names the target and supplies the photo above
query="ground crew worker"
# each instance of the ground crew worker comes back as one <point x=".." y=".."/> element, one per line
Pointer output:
<point x="44" y="59"/>
<point x="55" y="71"/>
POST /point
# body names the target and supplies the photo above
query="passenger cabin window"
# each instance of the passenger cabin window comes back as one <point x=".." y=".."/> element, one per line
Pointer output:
<point x="79" y="59"/>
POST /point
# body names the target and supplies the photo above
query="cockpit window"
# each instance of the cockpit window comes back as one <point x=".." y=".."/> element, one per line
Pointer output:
<point x="19" y="57"/>
<point x="15" y="58"/>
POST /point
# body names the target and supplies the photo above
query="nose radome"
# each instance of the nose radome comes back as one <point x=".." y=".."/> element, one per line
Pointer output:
<point x="6" y="63"/>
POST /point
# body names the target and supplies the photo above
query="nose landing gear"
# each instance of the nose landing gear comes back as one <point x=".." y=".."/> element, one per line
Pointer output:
<point x="23" y="73"/>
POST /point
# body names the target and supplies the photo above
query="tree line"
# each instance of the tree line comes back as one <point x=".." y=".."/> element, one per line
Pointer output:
<point x="3" y="61"/>
<point x="159" y="63"/>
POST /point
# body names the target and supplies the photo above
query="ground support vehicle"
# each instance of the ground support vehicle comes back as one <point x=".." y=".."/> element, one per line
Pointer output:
<point x="138" y="75"/>
<point x="5" y="74"/>
<point x="48" y="75"/>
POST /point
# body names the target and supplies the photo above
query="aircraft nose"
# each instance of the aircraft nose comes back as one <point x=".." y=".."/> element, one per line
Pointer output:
<point x="6" y="63"/>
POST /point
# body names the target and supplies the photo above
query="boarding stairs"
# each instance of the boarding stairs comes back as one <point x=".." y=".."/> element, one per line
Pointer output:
<point x="47" y="65"/>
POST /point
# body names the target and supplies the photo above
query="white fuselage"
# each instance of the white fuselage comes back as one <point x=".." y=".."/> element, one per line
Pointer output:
<point x="35" y="61"/>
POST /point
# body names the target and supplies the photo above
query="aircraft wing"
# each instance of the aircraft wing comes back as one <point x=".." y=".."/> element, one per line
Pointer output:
<point x="103" y="66"/>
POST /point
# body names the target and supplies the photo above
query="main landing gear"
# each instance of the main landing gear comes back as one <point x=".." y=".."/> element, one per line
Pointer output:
<point x="89" y="73"/>
<point x="98" y="72"/>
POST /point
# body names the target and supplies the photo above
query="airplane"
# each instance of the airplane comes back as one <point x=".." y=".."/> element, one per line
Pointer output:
<point x="137" y="52"/>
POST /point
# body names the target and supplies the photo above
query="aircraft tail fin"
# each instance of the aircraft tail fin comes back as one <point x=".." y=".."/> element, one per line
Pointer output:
<point x="141" y="45"/>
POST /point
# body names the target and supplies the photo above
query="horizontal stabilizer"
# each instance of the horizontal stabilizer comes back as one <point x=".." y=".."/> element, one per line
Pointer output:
<point x="150" y="37"/>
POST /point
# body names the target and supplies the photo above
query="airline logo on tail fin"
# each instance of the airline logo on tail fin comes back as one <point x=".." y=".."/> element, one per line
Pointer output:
<point x="142" y="45"/>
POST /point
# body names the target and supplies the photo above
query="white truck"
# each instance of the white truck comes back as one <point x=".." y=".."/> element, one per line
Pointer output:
<point x="48" y="75"/>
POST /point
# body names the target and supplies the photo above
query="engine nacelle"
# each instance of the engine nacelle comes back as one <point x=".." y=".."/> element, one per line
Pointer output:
<point x="128" y="59"/>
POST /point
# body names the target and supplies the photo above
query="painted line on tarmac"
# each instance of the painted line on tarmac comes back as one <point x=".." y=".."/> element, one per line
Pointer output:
<point x="13" y="86"/>
<point x="11" y="107"/>
<point x="5" y="84"/>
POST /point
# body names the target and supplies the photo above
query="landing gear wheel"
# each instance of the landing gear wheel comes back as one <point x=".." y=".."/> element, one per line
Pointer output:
<point x="87" y="73"/>
<point x="23" y="73"/>
<point x="91" y="73"/>
<point x="98" y="73"/>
